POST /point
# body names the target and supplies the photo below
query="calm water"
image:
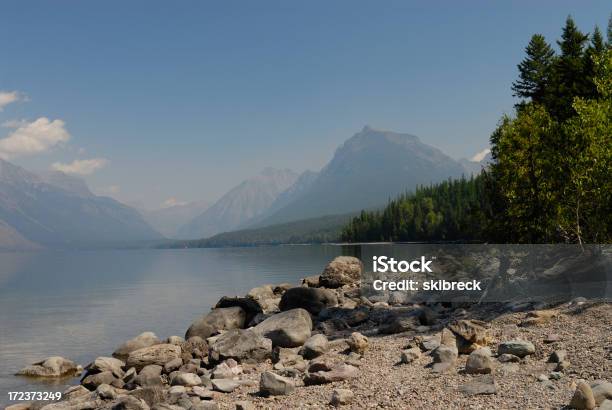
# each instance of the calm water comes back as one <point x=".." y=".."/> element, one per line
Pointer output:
<point x="81" y="305"/>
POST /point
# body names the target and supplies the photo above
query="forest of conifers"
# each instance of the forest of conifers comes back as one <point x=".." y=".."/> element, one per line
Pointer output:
<point x="550" y="176"/>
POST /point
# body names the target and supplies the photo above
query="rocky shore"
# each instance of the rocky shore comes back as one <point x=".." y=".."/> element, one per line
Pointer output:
<point x="323" y="345"/>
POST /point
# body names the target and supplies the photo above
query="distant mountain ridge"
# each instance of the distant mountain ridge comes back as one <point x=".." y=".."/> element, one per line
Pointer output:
<point x="59" y="210"/>
<point x="242" y="203"/>
<point x="168" y="220"/>
<point x="367" y="170"/>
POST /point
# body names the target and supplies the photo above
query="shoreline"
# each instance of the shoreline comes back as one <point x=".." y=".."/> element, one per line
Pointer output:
<point x="323" y="344"/>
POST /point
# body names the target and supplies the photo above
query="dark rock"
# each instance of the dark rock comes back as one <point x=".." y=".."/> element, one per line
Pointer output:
<point x="311" y="299"/>
<point x="222" y="318"/>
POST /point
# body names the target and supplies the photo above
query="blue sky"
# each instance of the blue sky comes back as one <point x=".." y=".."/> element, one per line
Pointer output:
<point x="185" y="99"/>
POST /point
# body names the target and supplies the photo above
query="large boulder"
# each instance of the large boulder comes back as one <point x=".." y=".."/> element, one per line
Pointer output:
<point x="222" y="318"/>
<point x="343" y="270"/>
<point x="54" y="366"/>
<point x="144" y="339"/>
<point x="157" y="354"/>
<point x="251" y="306"/>
<point x="311" y="299"/>
<point x="286" y="329"/>
<point x="241" y="345"/>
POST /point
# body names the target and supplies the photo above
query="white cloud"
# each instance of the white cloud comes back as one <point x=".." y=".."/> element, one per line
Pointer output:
<point x="479" y="156"/>
<point x="170" y="202"/>
<point x="32" y="137"/>
<point x="9" y="97"/>
<point x="81" y="166"/>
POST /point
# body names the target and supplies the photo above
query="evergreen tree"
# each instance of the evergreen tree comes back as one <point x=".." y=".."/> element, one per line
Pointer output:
<point x="534" y="70"/>
<point x="610" y="31"/>
<point x="594" y="51"/>
<point x="568" y="80"/>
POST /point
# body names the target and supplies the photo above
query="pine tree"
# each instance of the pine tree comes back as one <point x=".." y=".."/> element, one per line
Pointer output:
<point x="594" y="51"/>
<point x="534" y="70"/>
<point x="569" y="80"/>
<point x="610" y="31"/>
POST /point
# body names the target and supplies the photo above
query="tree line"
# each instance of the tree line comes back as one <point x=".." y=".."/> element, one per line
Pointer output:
<point x="550" y="177"/>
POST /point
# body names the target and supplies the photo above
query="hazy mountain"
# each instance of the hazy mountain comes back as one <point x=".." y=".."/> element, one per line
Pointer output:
<point x="367" y="170"/>
<point x="301" y="185"/>
<point x="169" y="219"/>
<point x="242" y="203"/>
<point x="57" y="210"/>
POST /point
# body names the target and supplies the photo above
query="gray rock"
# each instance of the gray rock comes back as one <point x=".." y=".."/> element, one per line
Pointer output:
<point x="103" y="364"/>
<point x="479" y="361"/>
<point x="315" y="346"/>
<point x="250" y="306"/>
<point x="340" y="397"/>
<point x="310" y="282"/>
<point x="520" y="348"/>
<point x="202" y="392"/>
<point x="223" y="318"/>
<point x="336" y="373"/>
<point x="606" y="405"/>
<point x="173" y="365"/>
<point x="410" y="355"/>
<point x="241" y="345"/>
<point x="158" y="354"/>
<point x="429" y="342"/>
<point x="92" y="381"/>
<point x="602" y="390"/>
<point x="508" y="358"/>
<point x="343" y="270"/>
<point x="444" y="358"/>
<point x="54" y="366"/>
<point x="145" y="339"/>
<point x="357" y="342"/>
<point x="290" y="328"/>
<point x="558" y="356"/>
<point x="150" y="375"/>
<point x="130" y="403"/>
<point x="482" y="385"/>
<point x="106" y="392"/>
<point x="271" y="384"/>
<point x="186" y="379"/>
<point x="225" y="385"/>
<point x="225" y="371"/>
<point x="175" y="340"/>
<point x="583" y="398"/>
<point x="311" y="299"/>
<point x="150" y="394"/>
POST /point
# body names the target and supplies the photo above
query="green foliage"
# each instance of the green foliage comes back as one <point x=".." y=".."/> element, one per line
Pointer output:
<point x="534" y="70"/>
<point x="451" y="210"/>
<point x="551" y="175"/>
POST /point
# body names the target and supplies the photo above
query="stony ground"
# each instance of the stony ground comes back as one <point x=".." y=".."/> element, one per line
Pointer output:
<point x="391" y="354"/>
<point x="584" y="331"/>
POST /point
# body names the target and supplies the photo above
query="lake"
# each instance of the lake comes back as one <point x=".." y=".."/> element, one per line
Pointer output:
<point x="83" y="304"/>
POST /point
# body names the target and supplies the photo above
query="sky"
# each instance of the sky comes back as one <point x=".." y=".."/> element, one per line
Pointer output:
<point x="167" y="102"/>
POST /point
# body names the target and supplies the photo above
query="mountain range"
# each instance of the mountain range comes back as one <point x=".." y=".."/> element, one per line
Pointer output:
<point x="54" y="209"/>
<point x="242" y="203"/>
<point x="58" y="210"/>
<point x="367" y="170"/>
